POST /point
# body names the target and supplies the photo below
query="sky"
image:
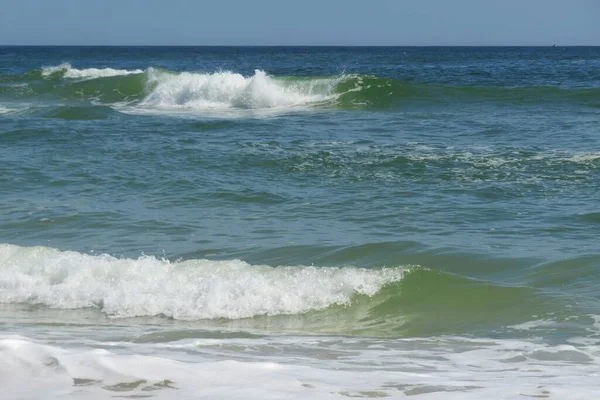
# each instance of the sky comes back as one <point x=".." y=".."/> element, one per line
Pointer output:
<point x="300" y="22"/>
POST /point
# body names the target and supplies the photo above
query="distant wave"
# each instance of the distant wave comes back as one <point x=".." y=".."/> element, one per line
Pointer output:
<point x="158" y="89"/>
<point x="67" y="71"/>
<point x="232" y="90"/>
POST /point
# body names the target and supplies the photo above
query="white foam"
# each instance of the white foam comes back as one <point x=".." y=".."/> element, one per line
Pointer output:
<point x="88" y="73"/>
<point x="300" y="368"/>
<point x="596" y="324"/>
<point x="532" y="325"/>
<point x="194" y="289"/>
<point x="99" y="374"/>
<point x="584" y="157"/>
<point x="5" y="110"/>
<point x="227" y="90"/>
<point x="14" y="109"/>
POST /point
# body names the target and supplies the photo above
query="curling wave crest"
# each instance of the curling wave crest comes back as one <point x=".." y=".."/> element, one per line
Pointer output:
<point x="193" y="289"/>
<point x="223" y="90"/>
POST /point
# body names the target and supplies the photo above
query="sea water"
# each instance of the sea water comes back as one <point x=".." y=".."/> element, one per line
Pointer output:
<point x="223" y="222"/>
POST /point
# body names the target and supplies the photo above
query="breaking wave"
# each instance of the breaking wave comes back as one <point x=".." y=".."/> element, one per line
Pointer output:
<point x="194" y="289"/>
<point x="67" y="71"/>
<point x="406" y="300"/>
<point x="232" y="90"/>
<point x="158" y="89"/>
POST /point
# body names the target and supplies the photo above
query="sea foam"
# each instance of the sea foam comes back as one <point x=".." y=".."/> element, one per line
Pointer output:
<point x="193" y="289"/>
<point x="298" y="368"/>
<point x="5" y="110"/>
<point x="224" y="90"/>
<point x="220" y="90"/>
<point x="87" y="73"/>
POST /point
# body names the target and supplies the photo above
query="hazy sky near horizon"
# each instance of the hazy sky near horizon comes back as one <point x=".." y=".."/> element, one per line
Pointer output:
<point x="302" y="22"/>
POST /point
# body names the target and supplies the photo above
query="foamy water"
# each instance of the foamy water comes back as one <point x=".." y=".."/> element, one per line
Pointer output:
<point x="226" y="90"/>
<point x="84" y="355"/>
<point x="194" y="289"/>
<point x="9" y="109"/>
<point x="215" y="91"/>
<point x="299" y="367"/>
<point x="86" y="73"/>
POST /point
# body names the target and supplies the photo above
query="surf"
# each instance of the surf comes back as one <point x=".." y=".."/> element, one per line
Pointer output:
<point x="155" y="89"/>
<point x="223" y="90"/>
<point x="405" y="300"/>
<point x="188" y="290"/>
<point x="66" y="71"/>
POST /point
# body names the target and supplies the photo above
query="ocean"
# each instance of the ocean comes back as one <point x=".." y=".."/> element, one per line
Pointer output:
<point x="299" y="222"/>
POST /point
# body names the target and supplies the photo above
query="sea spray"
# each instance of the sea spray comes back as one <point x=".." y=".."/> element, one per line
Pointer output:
<point x="232" y="90"/>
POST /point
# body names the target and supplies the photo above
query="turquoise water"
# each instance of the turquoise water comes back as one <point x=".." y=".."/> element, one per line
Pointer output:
<point x="383" y="195"/>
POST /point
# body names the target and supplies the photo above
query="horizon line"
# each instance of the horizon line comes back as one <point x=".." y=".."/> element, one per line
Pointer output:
<point x="298" y="45"/>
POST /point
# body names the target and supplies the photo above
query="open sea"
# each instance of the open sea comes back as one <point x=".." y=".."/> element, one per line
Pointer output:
<point x="299" y="222"/>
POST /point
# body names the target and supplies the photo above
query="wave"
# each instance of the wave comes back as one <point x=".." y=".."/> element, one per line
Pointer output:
<point x="68" y="72"/>
<point x="7" y="110"/>
<point x="232" y="90"/>
<point x="406" y="300"/>
<point x="194" y="289"/>
<point x="157" y="89"/>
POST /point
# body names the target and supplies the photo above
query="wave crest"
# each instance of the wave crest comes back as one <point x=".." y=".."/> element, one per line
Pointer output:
<point x="67" y="71"/>
<point x="155" y="89"/>
<point x="194" y="289"/>
<point x="225" y="89"/>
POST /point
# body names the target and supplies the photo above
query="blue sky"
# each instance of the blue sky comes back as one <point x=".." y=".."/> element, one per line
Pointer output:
<point x="300" y="22"/>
